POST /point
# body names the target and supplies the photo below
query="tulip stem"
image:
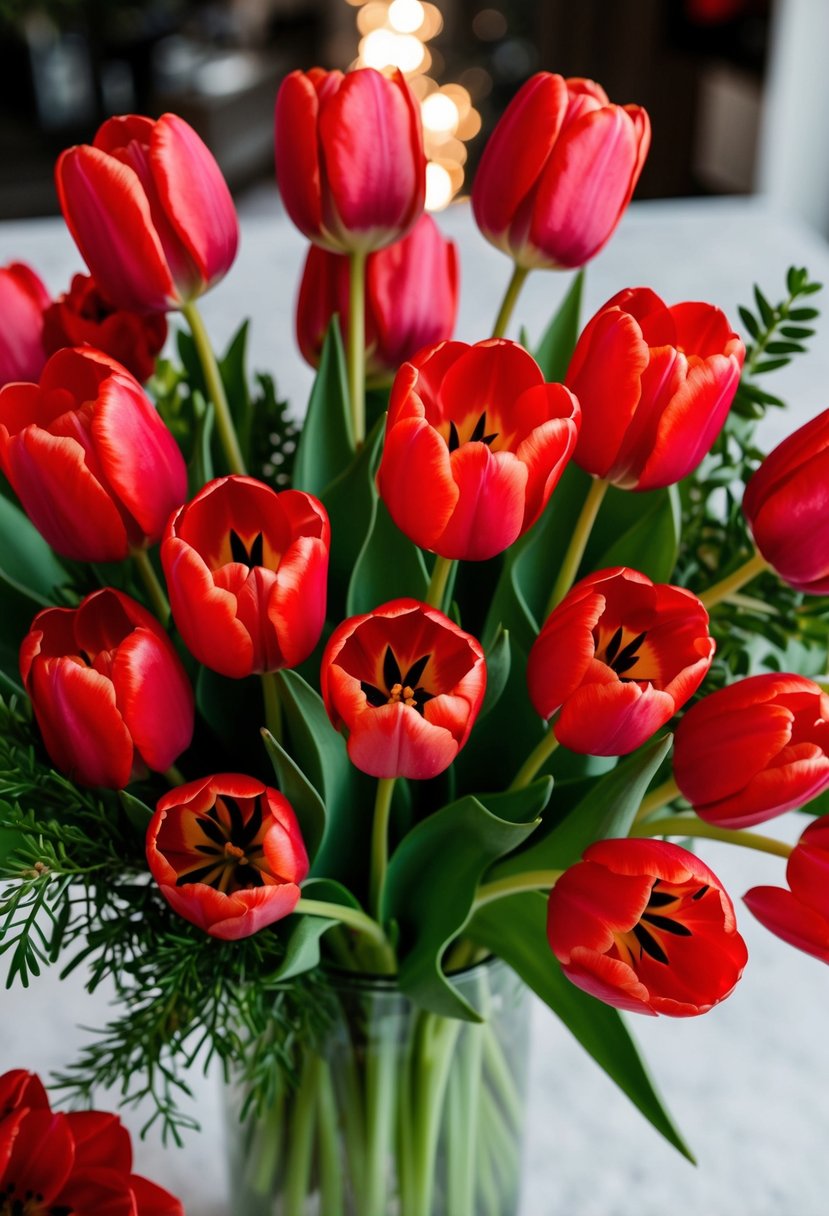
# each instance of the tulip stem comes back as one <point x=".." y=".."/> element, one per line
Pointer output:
<point x="661" y="796"/>
<point x="215" y="389"/>
<point x="541" y="752"/>
<point x="356" y="347"/>
<point x="578" y="543"/>
<point x="152" y="585"/>
<point x="690" y="826"/>
<point x="439" y="581"/>
<point x="508" y="303"/>
<point x="273" y="704"/>
<point x="173" y="776"/>
<point x="352" y="917"/>
<point x="380" y="843"/>
<point x="513" y="884"/>
<point x="733" y="582"/>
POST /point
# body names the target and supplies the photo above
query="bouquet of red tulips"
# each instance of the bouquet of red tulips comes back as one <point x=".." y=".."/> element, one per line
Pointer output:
<point x="304" y="731"/>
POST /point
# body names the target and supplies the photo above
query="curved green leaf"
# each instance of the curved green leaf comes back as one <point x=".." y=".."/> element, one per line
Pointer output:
<point x="389" y="565"/>
<point x="350" y="501"/>
<point x="303" y="797"/>
<point x="326" y="445"/>
<point x="555" y="349"/>
<point x="301" y="934"/>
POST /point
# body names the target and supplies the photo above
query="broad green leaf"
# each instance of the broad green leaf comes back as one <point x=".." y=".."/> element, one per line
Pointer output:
<point x="326" y="445"/>
<point x="301" y="934"/>
<point x="497" y="671"/>
<point x="232" y="367"/>
<point x="514" y="929"/>
<point x="303" y="797"/>
<point x="389" y="565"/>
<point x="430" y="888"/>
<point x="136" y="811"/>
<point x="350" y="502"/>
<point x="637" y="530"/>
<point x="26" y="561"/>
<point x="200" y="469"/>
<point x="558" y="342"/>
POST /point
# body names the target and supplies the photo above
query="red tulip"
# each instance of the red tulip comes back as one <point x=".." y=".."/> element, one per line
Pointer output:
<point x="405" y="685"/>
<point x="246" y="569"/>
<point x="646" y="926"/>
<point x="800" y="914"/>
<point x="82" y="316"/>
<point x="618" y="657"/>
<point x="23" y="297"/>
<point x="150" y="212"/>
<point x="475" y="445"/>
<point x="77" y="1164"/>
<point x="753" y="750"/>
<point x="411" y="298"/>
<point x="558" y="171"/>
<point x="108" y="690"/>
<point x="655" y="385"/>
<point x="95" y="468"/>
<point x="349" y="157"/>
<point x="786" y="504"/>
<point x="227" y="854"/>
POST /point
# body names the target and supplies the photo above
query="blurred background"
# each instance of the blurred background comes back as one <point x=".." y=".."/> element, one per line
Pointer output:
<point x="728" y="83"/>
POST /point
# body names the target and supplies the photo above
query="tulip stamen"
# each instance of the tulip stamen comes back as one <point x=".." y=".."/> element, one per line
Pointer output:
<point x="477" y="436"/>
<point x="244" y="555"/>
<point x="399" y="689"/>
<point x="621" y="658"/>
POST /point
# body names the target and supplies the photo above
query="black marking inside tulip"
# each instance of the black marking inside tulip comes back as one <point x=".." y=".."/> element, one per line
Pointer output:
<point x="253" y="556"/>
<point x="478" y="434"/>
<point x="623" y="660"/>
<point x="651" y="920"/>
<point x="399" y="688"/>
<point x="232" y="850"/>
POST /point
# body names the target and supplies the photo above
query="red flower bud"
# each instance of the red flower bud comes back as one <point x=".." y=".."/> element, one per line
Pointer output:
<point x="646" y="926"/>
<point x="411" y="298"/>
<point x="108" y="690"/>
<point x="752" y="750"/>
<point x="655" y="385"/>
<point x="785" y="505"/>
<point x="618" y="656"/>
<point x="227" y="854"/>
<point x="475" y="444"/>
<point x="82" y="316"/>
<point x="349" y="157"/>
<point x="23" y="297"/>
<point x="800" y="914"/>
<point x="95" y="468"/>
<point x="246" y="569"/>
<point x="558" y="171"/>
<point x="405" y="684"/>
<point x="150" y="212"/>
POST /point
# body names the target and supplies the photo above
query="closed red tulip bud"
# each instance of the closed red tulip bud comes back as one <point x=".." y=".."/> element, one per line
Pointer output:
<point x="150" y="212"/>
<point x="618" y="657"/>
<point x="786" y="504"/>
<point x="646" y="926"/>
<point x="82" y="316"/>
<point x="475" y="444"/>
<point x="246" y="569"/>
<point x="411" y="298"/>
<point x="349" y="157"/>
<point x="799" y="914"/>
<point x="655" y="385"/>
<point x="753" y="750"/>
<point x="405" y="685"/>
<point x="91" y="461"/>
<point x="227" y="854"/>
<point x="558" y="172"/>
<point x="23" y="298"/>
<point x="109" y="692"/>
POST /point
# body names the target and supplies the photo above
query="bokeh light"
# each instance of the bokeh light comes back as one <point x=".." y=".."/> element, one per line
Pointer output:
<point x="406" y="16"/>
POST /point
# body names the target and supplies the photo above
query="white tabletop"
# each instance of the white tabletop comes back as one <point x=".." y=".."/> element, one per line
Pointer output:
<point x="749" y="1083"/>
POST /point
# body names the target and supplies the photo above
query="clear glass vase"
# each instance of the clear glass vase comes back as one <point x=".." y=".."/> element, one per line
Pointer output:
<point x="399" y="1113"/>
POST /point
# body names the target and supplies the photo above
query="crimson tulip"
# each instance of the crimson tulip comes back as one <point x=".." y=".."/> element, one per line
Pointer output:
<point x="23" y="298"/>
<point x="405" y="684"/>
<point x="246" y="570"/>
<point x="83" y="316"/>
<point x="349" y="157"/>
<point x="68" y="1164"/>
<point x="227" y="854"/>
<point x="655" y="384"/>
<point x="95" y="468"/>
<point x="150" y="212"/>
<point x="475" y="445"/>
<point x="786" y="504"/>
<point x="646" y="926"/>
<point x="799" y="914"/>
<point x="558" y="171"/>
<point x="411" y="298"/>
<point x="753" y="750"/>
<point x="618" y="657"/>
<point x="109" y="692"/>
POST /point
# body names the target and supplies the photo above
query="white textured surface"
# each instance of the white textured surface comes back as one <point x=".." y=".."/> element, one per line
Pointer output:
<point x="749" y="1083"/>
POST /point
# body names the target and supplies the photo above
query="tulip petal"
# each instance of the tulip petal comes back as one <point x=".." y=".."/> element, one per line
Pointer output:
<point x="152" y="1200"/>
<point x="562" y="653"/>
<point x="205" y="614"/>
<point x="612" y="719"/>
<point x="779" y="911"/>
<point x="296" y="607"/>
<point x="100" y="1140"/>
<point x="609" y="980"/>
<point x="297" y="152"/>
<point x="414" y="457"/>
<point x="42" y="1154"/>
<point x="711" y="765"/>
<point x="788" y="522"/>
<point x="394" y="741"/>
<point x="154" y="698"/>
<point x="491" y="500"/>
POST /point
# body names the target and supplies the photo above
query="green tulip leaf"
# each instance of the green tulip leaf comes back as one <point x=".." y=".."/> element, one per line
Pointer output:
<point x="200" y="469"/>
<point x="301" y="934"/>
<point x="637" y="530"/>
<point x="232" y="367"/>
<point x="556" y="346"/>
<point x="136" y="811"/>
<point x="303" y="797"/>
<point x="514" y="929"/>
<point x="389" y="566"/>
<point x="497" y="671"/>
<point x="350" y="501"/>
<point x="27" y="563"/>
<point x="326" y="445"/>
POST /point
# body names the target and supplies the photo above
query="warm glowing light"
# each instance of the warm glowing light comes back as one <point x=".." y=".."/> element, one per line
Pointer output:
<point x="383" y="48"/>
<point x="372" y="16"/>
<point x="406" y="16"/>
<point x="432" y="22"/>
<point x="439" y="189"/>
<point x="440" y="114"/>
